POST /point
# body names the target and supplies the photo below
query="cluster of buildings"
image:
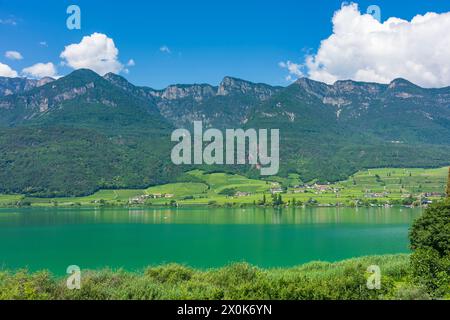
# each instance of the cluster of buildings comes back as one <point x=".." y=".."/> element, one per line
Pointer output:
<point x="240" y="194"/>
<point x="276" y="190"/>
<point x="143" y="198"/>
<point x="433" y="194"/>
<point x="376" y="195"/>
<point x="315" y="188"/>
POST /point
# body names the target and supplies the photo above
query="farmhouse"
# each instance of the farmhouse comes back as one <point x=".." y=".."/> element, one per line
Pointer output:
<point x="433" y="194"/>
<point x="321" y="188"/>
<point x="276" y="190"/>
<point x="139" y="199"/>
<point x="377" y="195"/>
<point x="242" y="194"/>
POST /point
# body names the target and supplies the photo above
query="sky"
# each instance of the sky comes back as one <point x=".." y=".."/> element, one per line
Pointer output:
<point x="157" y="43"/>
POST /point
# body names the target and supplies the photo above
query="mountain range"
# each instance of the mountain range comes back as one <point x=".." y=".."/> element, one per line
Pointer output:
<point x="82" y="132"/>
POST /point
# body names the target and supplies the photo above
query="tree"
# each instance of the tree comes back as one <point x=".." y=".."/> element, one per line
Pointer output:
<point x="277" y="200"/>
<point x="229" y="192"/>
<point x="430" y="241"/>
<point x="432" y="230"/>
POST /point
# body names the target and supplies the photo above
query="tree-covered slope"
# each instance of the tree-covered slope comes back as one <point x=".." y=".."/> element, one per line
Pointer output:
<point x="83" y="132"/>
<point x="78" y="134"/>
<point x="329" y="132"/>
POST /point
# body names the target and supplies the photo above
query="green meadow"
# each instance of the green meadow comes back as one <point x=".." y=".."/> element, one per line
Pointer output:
<point x="372" y="186"/>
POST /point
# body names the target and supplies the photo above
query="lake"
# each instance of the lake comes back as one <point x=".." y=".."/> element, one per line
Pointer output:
<point x="55" y="238"/>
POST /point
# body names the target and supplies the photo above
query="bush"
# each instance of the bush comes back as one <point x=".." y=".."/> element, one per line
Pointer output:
<point x="172" y="273"/>
<point x="22" y="286"/>
<point x="430" y="240"/>
<point x="229" y="192"/>
<point x="432" y="271"/>
<point x="411" y="292"/>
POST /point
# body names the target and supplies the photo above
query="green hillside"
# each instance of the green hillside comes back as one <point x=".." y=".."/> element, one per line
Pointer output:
<point x="369" y="187"/>
<point x="82" y="133"/>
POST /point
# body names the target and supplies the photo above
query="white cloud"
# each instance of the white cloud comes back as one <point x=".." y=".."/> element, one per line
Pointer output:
<point x="41" y="70"/>
<point x="289" y="78"/>
<point x="43" y="44"/>
<point x="363" y="49"/>
<point x="131" y="63"/>
<point x="6" y="71"/>
<point x="96" y="52"/>
<point x="293" y="68"/>
<point x="13" y="55"/>
<point x="165" y="49"/>
<point x="8" y="21"/>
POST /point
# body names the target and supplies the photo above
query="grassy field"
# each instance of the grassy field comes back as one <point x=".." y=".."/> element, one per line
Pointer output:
<point x="380" y="186"/>
<point x="179" y="189"/>
<point x="9" y="198"/>
<point x="345" y="280"/>
<point x="397" y="181"/>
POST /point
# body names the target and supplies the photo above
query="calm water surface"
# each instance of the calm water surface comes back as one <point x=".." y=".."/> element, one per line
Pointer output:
<point x="132" y="239"/>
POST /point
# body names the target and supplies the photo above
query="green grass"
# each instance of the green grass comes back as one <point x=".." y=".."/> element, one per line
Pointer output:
<point x="205" y="189"/>
<point x="7" y="199"/>
<point x="395" y="180"/>
<point x="209" y="187"/>
<point x="219" y="181"/>
<point x="112" y="196"/>
<point x="317" y="280"/>
<point x="397" y="183"/>
<point x="179" y="189"/>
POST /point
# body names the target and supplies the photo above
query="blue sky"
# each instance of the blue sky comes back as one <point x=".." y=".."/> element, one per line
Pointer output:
<point x="207" y="39"/>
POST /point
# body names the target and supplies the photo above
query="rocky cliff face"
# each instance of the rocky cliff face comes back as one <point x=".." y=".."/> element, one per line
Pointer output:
<point x="83" y="96"/>
<point x="230" y="86"/>
<point x="10" y="86"/>
<point x="221" y="106"/>
<point x="383" y="103"/>
<point x="233" y="101"/>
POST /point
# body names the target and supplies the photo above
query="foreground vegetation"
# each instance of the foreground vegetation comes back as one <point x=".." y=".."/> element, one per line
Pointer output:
<point x="317" y="280"/>
<point x="374" y="187"/>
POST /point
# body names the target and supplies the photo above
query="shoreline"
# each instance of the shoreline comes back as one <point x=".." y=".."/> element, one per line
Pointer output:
<point x="204" y="206"/>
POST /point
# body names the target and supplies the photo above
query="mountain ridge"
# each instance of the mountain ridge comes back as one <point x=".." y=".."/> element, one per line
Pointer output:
<point x="84" y="132"/>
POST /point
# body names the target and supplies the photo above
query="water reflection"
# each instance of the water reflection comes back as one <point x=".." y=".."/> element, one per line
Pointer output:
<point x="266" y="216"/>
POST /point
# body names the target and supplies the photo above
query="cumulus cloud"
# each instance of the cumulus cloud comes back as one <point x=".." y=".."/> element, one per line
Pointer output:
<point x="165" y="49"/>
<point x="13" y="55"/>
<point x="364" y="49"/>
<point x="6" y="71"/>
<point x="41" y="70"/>
<point x="131" y="63"/>
<point x="293" y="68"/>
<point x="96" y="52"/>
<point x="8" y="21"/>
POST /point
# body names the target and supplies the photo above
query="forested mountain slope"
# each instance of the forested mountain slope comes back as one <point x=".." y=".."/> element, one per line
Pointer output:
<point x="83" y="132"/>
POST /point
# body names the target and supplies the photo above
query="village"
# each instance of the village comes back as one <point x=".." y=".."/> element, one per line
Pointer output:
<point x="300" y="191"/>
<point x="143" y="198"/>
